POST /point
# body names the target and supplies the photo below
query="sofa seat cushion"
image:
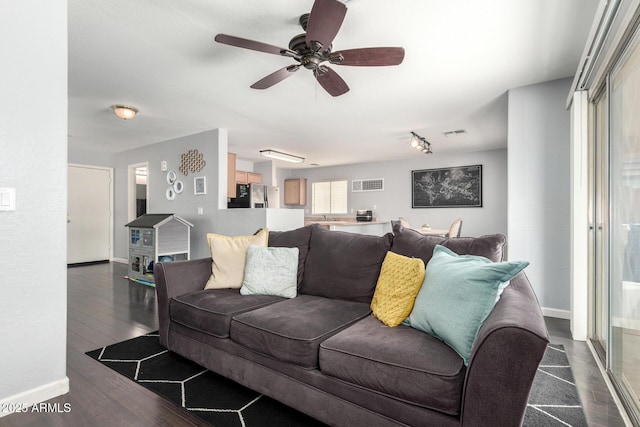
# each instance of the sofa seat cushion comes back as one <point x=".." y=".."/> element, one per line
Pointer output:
<point x="210" y="310"/>
<point x="400" y="362"/>
<point x="292" y="330"/>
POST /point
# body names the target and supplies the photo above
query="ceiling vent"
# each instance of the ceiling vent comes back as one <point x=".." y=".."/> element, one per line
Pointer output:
<point x="360" y="185"/>
<point x="459" y="132"/>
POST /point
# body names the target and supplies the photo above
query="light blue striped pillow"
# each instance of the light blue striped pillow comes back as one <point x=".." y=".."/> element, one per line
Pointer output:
<point x="271" y="271"/>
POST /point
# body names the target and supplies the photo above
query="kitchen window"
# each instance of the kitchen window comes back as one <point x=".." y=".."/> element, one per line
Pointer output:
<point x="329" y="197"/>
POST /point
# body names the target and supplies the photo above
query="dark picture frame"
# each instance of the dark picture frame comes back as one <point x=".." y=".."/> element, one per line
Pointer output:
<point x="453" y="187"/>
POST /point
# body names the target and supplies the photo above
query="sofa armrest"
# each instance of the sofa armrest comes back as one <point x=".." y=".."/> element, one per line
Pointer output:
<point x="177" y="278"/>
<point x="504" y="359"/>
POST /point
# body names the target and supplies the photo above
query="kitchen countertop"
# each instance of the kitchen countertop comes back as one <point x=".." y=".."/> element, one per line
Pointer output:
<point x="340" y="221"/>
<point x="349" y="224"/>
<point x="329" y="222"/>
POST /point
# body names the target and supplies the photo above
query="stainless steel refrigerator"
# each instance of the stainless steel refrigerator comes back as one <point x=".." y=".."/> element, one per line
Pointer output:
<point x="256" y="196"/>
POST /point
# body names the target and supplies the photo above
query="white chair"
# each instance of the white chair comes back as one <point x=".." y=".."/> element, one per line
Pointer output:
<point x="404" y="222"/>
<point x="455" y="229"/>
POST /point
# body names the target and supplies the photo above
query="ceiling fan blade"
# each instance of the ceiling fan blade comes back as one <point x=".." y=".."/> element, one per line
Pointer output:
<point x="324" y="23"/>
<point x="253" y="45"/>
<point x="276" y="77"/>
<point x="331" y="82"/>
<point x="370" y="56"/>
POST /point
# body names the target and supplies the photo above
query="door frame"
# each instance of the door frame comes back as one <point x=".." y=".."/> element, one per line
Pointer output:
<point x="131" y="189"/>
<point x="111" y="199"/>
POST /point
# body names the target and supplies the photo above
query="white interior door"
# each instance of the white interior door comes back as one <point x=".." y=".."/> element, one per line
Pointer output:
<point x="88" y="214"/>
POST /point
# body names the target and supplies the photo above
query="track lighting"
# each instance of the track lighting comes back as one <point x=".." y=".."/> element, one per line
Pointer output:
<point x="420" y="143"/>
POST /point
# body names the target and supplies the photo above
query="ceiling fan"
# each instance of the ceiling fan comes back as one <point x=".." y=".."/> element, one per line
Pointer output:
<point x="313" y="48"/>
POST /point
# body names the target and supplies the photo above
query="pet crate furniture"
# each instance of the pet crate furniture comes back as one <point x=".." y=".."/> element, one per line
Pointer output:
<point x="156" y="237"/>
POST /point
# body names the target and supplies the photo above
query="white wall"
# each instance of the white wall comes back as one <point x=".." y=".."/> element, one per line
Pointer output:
<point x="395" y="200"/>
<point x="186" y="204"/>
<point x="539" y="189"/>
<point x="33" y="160"/>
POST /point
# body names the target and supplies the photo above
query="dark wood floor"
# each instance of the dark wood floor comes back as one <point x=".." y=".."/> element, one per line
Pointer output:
<point x="105" y="308"/>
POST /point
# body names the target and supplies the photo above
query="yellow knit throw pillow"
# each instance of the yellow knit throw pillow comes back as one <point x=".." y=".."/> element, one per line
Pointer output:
<point x="398" y="284"/>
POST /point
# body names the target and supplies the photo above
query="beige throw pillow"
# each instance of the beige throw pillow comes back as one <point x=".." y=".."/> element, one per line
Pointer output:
<point x="229" y="256"/>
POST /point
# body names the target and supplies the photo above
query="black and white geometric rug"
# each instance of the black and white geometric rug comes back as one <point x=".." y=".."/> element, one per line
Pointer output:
<point x="212" y="397"/>
<point x="554" y="399"/>
<point x="225" y="403"/>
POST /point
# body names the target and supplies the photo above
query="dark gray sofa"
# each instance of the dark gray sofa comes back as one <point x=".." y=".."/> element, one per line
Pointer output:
<point x="323" y="352"/>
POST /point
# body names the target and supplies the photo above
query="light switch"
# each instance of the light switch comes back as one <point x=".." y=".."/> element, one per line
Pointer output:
<point x="200" y="211"/>
<point x="7" y="199"/>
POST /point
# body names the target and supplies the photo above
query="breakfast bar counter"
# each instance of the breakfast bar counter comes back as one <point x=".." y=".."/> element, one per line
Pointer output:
<point x="375" y="227"/>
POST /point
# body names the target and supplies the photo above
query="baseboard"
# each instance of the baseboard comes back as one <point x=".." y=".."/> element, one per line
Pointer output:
<point x="120" y="260"/>
<point x="612" y="390"/>
<point x="554" y="312"/>
<point x="24" y="401"/>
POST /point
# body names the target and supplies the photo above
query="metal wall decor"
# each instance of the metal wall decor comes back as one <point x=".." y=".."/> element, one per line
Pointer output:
<point x="447" y="187"/>
<point x="191" y="161"/>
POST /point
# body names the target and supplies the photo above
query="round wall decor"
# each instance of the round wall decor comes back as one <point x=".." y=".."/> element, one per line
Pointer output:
<point x="171" y="177"/>
<point x="178" y="186"/>
<point x="171" y="193"/>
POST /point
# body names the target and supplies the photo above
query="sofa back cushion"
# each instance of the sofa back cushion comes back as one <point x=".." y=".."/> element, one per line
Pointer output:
<point x="344" y="265"/>
<point x="298" y="238"/>
<point x="410" y="243"/>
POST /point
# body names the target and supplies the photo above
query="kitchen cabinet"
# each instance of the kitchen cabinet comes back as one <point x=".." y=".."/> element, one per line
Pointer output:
<point x="243" y="177"/>
<point x="295" y="192"/>
<point x="235" y="176"/>
<point x="231" y="175"/>
<point x="254" y="178"/>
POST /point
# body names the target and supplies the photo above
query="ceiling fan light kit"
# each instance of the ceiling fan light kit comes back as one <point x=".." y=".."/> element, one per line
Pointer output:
<point x="125" y="112"/>
<point x="420" y="143"/>
<point x="312" y="49"/>
<point x="278" y="155"/>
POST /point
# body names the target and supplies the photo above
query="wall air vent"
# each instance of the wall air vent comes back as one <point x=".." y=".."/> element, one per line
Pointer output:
<point x="359" y="185"/>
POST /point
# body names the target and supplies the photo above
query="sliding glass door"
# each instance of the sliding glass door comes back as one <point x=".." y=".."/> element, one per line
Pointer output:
<point x="615" y="226"/>
<point x="624" y="263"/>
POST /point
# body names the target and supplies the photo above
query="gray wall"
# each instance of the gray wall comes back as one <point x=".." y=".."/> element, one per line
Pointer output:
<point x="539" y="191"/>
<point x="91" y="158"/>
<point x="395" y="200"/>
<point x="33" y="160"/>
<point x="186" y="204"/>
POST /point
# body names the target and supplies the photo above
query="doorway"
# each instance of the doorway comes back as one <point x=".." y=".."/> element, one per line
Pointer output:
<point x="89" y="214"/>
<point x="138" y="190"/>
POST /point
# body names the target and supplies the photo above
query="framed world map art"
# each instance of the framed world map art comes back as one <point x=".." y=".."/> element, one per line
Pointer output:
<point x="447" y="187"/>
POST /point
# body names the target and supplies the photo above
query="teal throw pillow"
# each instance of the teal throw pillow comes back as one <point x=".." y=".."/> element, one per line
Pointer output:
<point x="271" y="271"/>
<point x="458" y="294"/>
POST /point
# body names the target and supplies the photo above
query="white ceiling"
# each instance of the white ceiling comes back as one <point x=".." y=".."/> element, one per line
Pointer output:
<point x="461" y="58"/>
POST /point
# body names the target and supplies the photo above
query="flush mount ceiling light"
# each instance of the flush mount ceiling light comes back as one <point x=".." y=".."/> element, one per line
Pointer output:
<point x="420" y="143"/>
<point x="125" y="112"/>
<point x="273" y="154"/>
